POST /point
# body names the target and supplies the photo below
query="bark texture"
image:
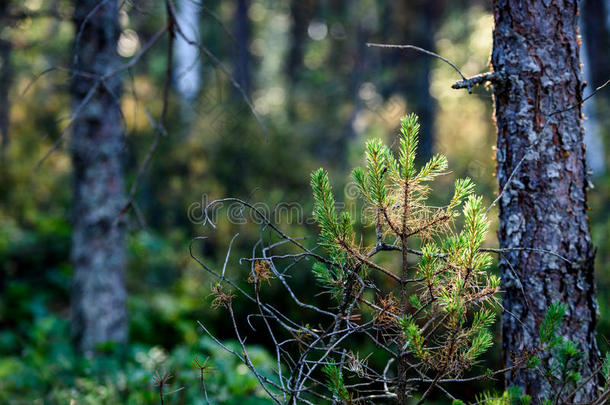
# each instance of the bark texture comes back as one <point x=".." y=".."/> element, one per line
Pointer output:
<point x="98" y="251"/>
<point x="536" y="45"/>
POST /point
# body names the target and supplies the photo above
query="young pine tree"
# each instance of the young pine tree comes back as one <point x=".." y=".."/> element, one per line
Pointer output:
<point x="439" y="310"/>
<point x="428" y="309"/>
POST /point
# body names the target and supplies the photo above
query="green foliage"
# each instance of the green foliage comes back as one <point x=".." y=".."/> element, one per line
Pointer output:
<point x="50" y="372"/>
<point x="413" y="337"/>
<point x="565" y="359"/>
<point x="409" y="131"/>
<point x="334" y="380"/>
<point x="375" y="184"/>
<point x="551" y="322"/>
<point x="329" y="277"/>
<point x="606" y="368"/>
<point x="513" y="395"/>
<point x="35" y="237"/>
<point x="332" y="229"/>
<point x="451" y="267"/>
<point x="533" y="362"/>
<point x="479" y="345"/>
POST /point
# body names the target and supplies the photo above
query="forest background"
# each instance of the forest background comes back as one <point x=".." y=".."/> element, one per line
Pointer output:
<point x="313" y="93"/>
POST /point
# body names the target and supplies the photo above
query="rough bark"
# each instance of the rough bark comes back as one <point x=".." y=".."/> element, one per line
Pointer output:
<point x="536" y="45"/>
<point x="98" y="251"/>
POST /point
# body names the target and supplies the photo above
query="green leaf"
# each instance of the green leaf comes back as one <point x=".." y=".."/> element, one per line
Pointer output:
<point x="360" y="180"/>
<point x="462" y="189"/>
<point x="483" y="319"/>
<point x="409" y="129"/>
<point x="392" y="164"/>
<point x="552" y="320"/>
<point x="434" y="168"/>
<point x="334" y="380"/>
<point x="413" y="337"/>
<point x="376" y="165"/>
<point x="324" y="205"/>
<point x="533" y="362"/>
<point x="479" y="345"/>
<point x="606" y="367"/>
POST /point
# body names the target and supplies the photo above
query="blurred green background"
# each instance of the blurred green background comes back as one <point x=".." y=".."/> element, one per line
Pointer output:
<point x="320" y="92"/>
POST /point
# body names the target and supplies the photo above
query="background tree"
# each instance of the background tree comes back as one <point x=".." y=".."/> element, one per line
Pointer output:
<point x="98" y="239"/>
<point x="187" y="64"/>
<point x="543" y="206"/>
<point x="418" y="21"/>
<point x="242" y="36"/>
<point x="5" y="80"/>
<point x="595" y="23"/>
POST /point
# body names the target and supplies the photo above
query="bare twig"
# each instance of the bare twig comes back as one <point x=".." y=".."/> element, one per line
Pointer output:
<point x="422" y="50"/>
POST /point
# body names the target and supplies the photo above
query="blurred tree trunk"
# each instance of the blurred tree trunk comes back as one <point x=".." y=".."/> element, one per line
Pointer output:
<point x="413" y="23"/>
<point x="597" y="39"/>
<point x="425" y="104"/>
<point x="5" y="80"/>
<point x="596" y="59"/>
<point x="301" y="13"/>
<point x="187" y="67"/>
<point x="242" y="34"/>
<point x="359" y="67"/>
<point x="537" y="47"/>
<point x="98" y="242"/>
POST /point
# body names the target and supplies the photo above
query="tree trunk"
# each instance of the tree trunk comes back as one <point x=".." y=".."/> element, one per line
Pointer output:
<point x="413" y="23"/>
<point x="187" y="65"/>
<point x="424" y="101"/>
<point x="301" y="13"/>
<point x="98" y="248"/>
<point x="6" y="74"/>
<point x="536" y="45"/>
<point x="242" y="34"/>
<point x="596" y="60"/>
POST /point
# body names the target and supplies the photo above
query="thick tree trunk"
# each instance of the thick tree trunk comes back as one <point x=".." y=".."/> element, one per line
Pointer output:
<point x="98" y="248"/>
<point x="536" y="45"/>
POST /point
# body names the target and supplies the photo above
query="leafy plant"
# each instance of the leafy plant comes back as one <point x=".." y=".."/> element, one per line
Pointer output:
<point x="447" y="290"/>
<point x="428" y="310"/>
<point x="334" y="378"/>
<point x="563" y="371"/>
